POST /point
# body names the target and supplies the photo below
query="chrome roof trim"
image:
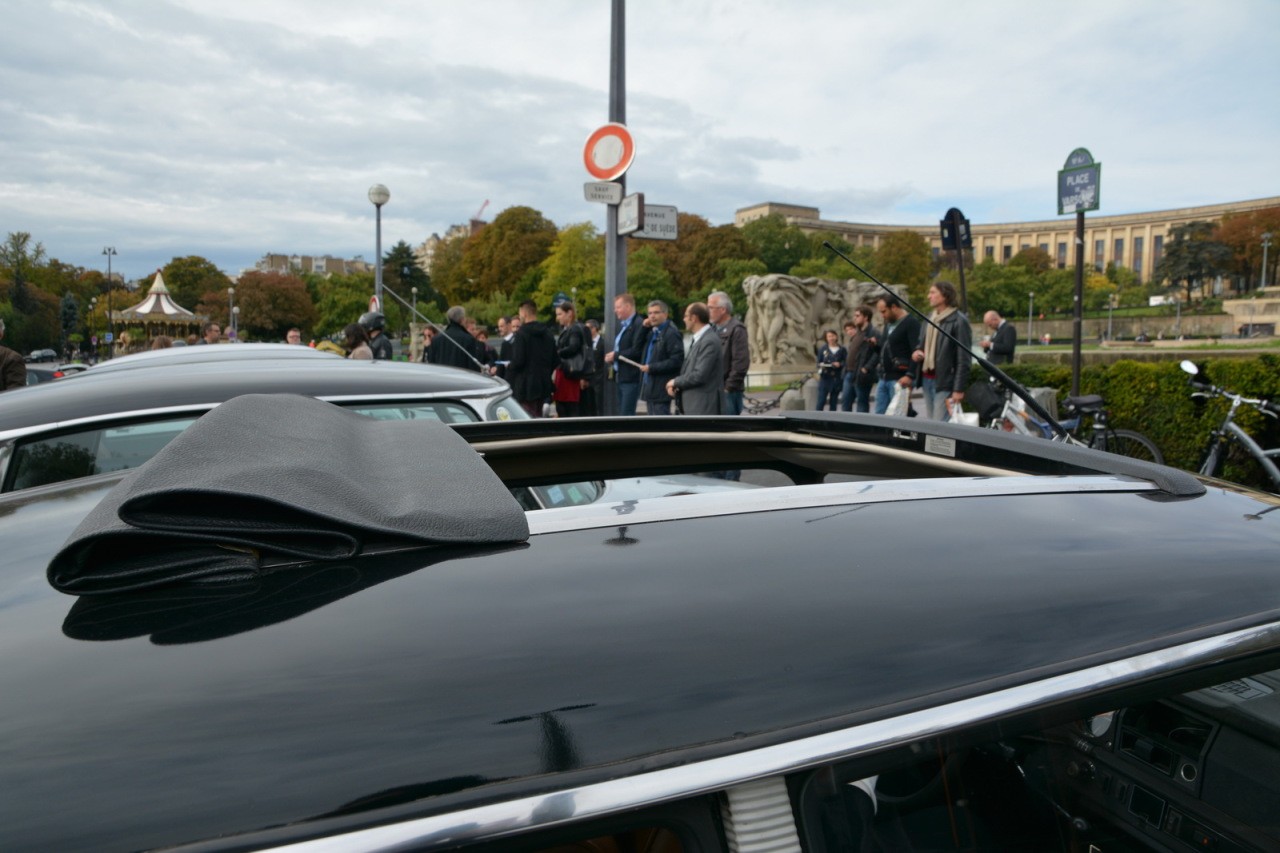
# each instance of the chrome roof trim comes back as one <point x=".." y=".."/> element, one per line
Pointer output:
<point x="831" y="496"/>
<point x="469" y="397"/>
<point x="617" y="795"/>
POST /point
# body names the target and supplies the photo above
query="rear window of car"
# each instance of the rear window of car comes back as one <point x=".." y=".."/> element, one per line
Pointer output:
<point x="101" y="450"/>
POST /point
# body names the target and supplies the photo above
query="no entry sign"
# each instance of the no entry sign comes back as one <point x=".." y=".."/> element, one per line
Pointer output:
<point x="608" y="152"/>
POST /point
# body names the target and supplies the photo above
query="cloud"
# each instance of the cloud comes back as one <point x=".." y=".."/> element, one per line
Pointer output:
<point x="237" y="127"/>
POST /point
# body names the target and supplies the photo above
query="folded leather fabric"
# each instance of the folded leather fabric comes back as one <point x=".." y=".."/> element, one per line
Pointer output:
<point x="284" y="477"/>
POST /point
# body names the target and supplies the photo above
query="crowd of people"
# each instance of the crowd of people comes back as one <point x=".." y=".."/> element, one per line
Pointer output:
<point x="901" y="354"/>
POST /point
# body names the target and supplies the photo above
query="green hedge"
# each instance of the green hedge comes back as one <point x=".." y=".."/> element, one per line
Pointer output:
<point x="1154" y="398"/>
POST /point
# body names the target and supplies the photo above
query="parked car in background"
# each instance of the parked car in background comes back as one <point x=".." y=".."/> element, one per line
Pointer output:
<point x="41" y="355"/>
<point x="115" y="418"/>
<point x="932" y="638"/>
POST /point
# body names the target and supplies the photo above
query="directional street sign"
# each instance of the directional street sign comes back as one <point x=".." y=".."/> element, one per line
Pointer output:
<point x="631" y="214"/>
<point x="606" y="192"/>
<point x="659" y="223"/>
<point x="609" y="152"/>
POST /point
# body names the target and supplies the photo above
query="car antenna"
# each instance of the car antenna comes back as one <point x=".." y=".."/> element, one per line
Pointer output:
<point x="439" y="329"/>
<point x="998" y="374"/>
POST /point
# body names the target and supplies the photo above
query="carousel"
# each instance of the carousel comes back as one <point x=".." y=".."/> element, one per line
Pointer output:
<point x="155" y="315"/>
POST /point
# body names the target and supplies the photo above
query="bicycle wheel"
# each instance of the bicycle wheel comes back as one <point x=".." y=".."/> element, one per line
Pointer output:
<point x="1124" y="442"/>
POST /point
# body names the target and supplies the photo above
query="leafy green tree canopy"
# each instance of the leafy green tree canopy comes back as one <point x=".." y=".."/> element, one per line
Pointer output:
<point x="779" y="245"/>
<point x="495" y="259"/>
<point x="190" y="278"/>
<point x="1192" y="255"/>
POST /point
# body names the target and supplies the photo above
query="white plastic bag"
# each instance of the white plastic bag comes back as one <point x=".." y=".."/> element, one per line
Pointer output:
<point x="959" y="415"/>
<point x="901" y="401"/>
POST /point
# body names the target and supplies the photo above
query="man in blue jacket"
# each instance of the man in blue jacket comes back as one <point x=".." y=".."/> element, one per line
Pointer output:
<point x="663" y="355"/>
<point x="629" y="344"/>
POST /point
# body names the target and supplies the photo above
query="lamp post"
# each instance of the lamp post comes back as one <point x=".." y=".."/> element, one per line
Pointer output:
<point x="1266" y="244"/>
<point x="235" y="323"/>
<point x="379" y="195"/>
<point x="414" y="291"/>
<point x="93" y="306"/>
<point x="1111" y="303"/>
<point x="231" y="312"/>
<point x="110" y="252"/>
<point x="1031" y="307"/>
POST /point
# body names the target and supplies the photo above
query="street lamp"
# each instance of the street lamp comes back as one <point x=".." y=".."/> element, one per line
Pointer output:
<point x="1031" y="306"/>
<point x="235" y="323"/>
<point x="110" y="252"/>
<point x="1266" y="244"/>
<point x="379" y="195"/>
<point x="1111" y="303"/>
<point x="93" y="306"/>
<point x="414" y="291"/>
<point x="231" y="311"/>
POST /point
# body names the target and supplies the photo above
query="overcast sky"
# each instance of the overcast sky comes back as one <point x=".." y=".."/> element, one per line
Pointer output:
<point x="233" y="128"/>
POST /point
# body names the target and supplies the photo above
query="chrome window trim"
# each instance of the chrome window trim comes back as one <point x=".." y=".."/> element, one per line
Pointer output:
<point x="617" y="795"/>
<point x="186" y="408"/>
<point x="830" y="496"/>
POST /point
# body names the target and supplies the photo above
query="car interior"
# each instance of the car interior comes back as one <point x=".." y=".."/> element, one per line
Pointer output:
<point x="1192" y="770"/>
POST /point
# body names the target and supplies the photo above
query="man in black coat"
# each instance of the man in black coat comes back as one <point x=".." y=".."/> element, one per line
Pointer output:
<point x="533" y="359"/>
<point x="897" y="343"/>
<point x="1003" y="339"/>
<point x="456" y="347"/>
<point x="663" y="356"/>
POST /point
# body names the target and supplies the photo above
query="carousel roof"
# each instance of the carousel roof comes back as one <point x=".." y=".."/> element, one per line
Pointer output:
<point x="158" y="305"/>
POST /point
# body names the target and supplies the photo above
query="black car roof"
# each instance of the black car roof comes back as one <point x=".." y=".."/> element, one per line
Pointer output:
<point x="90" y="395"/>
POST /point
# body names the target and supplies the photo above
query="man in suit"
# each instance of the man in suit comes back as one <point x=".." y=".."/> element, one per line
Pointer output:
<point x="1003" y="339"/>
<point x="702" y="374"/>
<point x="533" y="358"/>
<point x="630" y="343"/>
<point x="592" y="402"/>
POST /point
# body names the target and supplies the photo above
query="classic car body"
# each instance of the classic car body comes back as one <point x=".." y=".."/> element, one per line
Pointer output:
<point x="936" y="638"/>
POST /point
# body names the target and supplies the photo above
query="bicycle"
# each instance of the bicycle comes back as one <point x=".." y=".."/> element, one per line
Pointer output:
<point x="1229" y="432"/>
<point x="1014" y="417"/>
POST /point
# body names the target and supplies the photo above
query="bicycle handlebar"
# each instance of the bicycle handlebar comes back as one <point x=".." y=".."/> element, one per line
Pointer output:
<point x="1203" y="389"/>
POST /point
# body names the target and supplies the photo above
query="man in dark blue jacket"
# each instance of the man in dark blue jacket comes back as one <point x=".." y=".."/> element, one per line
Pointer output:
<point x="663" y="355"/>
<point x="629" y="344"/>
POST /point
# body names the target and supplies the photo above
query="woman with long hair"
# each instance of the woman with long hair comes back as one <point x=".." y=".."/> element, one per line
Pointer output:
<point x="356" y="342"/>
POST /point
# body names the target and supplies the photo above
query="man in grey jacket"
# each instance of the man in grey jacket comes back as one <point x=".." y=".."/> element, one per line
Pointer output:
<point x="735" y="350"/>
<point x="702" y="372"/>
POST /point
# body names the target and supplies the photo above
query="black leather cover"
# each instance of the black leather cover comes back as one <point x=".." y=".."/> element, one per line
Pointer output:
<point x="269" y="477"/>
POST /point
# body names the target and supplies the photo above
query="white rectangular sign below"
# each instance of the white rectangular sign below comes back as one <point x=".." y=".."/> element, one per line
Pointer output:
<point x="606" y="192"/>
<point x="631" y="214"/>
<point x="659" y="223"/>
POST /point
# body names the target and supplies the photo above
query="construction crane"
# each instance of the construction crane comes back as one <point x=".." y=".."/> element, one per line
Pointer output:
<point x="481" y="210"/>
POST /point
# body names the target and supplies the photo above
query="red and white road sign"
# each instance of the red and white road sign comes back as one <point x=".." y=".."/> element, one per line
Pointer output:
<point x="609" y="152"/>
<point x="373" y="303"/>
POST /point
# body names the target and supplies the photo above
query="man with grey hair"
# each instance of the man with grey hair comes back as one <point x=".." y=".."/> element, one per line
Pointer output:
<point x="456" y="347"/>
<point x="13" y="370"/>
<point x="735" y="350"/>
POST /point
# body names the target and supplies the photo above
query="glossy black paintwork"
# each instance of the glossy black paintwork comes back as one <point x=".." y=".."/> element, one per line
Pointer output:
<point x="422" y="675"/>
<point x="215" y="382"/>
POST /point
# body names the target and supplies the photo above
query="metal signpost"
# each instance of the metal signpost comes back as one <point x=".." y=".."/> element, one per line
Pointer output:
<point x="1079" y="184"/>
<point x="955" y="235"/>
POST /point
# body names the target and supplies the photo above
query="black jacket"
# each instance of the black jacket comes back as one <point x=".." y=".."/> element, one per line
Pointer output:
<point x="453" y="352"/>
<point x="896" y="348"/>
<point x="533" y="358"/>
<point x="951" y="363"/>
<point x="664" y="361"/>
<point x="631" y="344"/>
<point x="1003" y="343"/>
<point x="381" y="346"/>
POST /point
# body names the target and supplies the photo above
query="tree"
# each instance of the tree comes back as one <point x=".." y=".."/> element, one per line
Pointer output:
<point x="495" y="259"/>
<point x="1242" y="233"/>
<point x="400" y="271"/>
<point x="68" y="317"/>
<point x="648" y="279"/>
<point x="446" y="270"/>
<point x="575" y="262"/>
<point x="189" y="279"/>
<point x="733" y="272"/>
<point x="1192" y="255"/>
<point x="779" y="245"/>
<point x="1033" y="259"/>
<point x="270" y="304"/>
<point x="31" y="315"/>
<point x="343" y="298"/>
<point x="708" y="249"/>
<point x="1001" y="287"/>
<point x="677" y="255"/>
<point x="904" y="257"/>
